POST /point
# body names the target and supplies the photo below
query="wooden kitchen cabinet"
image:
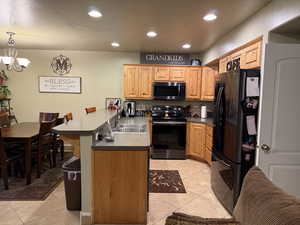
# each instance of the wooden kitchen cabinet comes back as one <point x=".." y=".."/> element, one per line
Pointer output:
<point x="252" y="56"/>
<point x="196" y="140"/>
<point x="208" y="143"/>
<point x="138" y="82"/>
<point x="177" y="74"/>
<point x="223" y="64"/>
<point x="208" y="84"/>
<point x="120" y="186"/>
<point x="193" y="83"/>
<point x="162" y="73"/>
<point x="131" y="81"/>
<point x="199" y="141"/>
<point x="145" y="81"/>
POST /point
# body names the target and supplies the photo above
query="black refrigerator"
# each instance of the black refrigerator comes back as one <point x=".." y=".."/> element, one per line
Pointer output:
<point x="234" y="138"/>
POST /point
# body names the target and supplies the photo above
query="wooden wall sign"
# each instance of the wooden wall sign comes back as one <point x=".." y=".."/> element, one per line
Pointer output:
<point x="57" y="84"/>
<point x="165" y="58"/>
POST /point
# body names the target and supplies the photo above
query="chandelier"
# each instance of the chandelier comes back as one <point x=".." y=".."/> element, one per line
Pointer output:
<point x="10" y="59"/>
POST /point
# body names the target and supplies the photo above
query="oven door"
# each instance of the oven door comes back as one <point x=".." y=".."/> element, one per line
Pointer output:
<point x="168" y="139"/>
<point x="169" y="91"/>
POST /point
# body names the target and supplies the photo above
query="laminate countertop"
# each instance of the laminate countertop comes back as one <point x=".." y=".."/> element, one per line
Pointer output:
<point x="85" y="123"/>
<point x="208" y="121"/>
<point x="128" y="140"/>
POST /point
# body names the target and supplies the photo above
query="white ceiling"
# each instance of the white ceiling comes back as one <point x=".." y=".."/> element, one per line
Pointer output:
<point x="64" y="24"/>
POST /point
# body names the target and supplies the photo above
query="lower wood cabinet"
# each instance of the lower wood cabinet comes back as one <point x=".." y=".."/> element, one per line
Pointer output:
<point x="120" y="186"/>
<point x="199" y="141"/>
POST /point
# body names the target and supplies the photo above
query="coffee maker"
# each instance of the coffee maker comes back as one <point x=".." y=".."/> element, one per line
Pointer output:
<point x="129" y="108"/>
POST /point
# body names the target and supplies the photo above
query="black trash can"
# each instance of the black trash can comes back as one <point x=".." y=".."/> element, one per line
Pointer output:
<point x="72" y="178"/>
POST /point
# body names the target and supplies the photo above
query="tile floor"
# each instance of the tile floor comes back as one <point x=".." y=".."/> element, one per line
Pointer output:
<point x="199" y="200"/>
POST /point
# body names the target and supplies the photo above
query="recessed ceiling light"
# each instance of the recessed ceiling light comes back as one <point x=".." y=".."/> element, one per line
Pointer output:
<point x="186" y="46"/>
<point x="151" y="34"/>
<point x="115" y="44"/>
<point x="210" y="17"/>
<point x="95" y="13"/>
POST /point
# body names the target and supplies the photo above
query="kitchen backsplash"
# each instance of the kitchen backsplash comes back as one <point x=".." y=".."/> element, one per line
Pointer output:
<point x="142" y="105"/>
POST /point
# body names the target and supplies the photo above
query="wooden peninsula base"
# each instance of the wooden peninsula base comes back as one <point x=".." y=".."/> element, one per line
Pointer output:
<point x="120" y="181"/>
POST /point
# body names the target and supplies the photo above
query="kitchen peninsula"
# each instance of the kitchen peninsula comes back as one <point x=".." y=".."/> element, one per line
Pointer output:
<point x="114" y="175"/>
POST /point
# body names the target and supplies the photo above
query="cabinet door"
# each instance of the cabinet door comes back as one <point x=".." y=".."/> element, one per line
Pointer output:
<point x="145" y="81"/>
<point x="223" y="64"/>
<point x="193" y="83"/>
<point x="131" y="78"/>
<point x="208" y="156"/>
<point x="162" y="73"/>
<point x="177" y="74"/>
<point x="197" y="140"/>
<point x="253" y="56"/>
<point x="208" y="84"/>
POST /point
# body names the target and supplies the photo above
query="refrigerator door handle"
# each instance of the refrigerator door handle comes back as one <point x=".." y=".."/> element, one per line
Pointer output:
<point x="218" y="105"/>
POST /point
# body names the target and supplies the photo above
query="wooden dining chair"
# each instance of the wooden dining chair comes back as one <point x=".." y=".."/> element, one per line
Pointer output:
<point x="90" y="110"/>
<point x="48" y="116"/>
<point x="68" y="116"/>
<point x="44" y="144"/>
<point x="9" y="158"/>
<point x="58" y="143"/>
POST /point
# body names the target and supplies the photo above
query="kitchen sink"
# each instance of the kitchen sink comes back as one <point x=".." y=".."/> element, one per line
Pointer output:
<point x="130" y="128"/>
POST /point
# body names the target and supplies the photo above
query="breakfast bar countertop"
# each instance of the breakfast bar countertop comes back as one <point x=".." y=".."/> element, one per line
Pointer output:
<point x="85" y="123"/>
<point x="127" y="140"/>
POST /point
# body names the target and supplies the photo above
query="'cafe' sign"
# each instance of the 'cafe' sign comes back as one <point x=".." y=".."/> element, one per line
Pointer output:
<point x="165" y="58"/>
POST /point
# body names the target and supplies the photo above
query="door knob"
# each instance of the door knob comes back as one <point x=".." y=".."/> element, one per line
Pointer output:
<point x="265" y="148"/>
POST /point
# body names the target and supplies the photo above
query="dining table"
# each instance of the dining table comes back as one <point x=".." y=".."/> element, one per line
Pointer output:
<point x="24" y="133"/>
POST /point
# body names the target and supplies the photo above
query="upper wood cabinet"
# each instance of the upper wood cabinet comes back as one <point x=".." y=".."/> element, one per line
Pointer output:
<point x="208" y="83"/>
<point x="178" y="74"/>
<point x="131" y="81"/>
<point x="145" y="81"/>
<point x="252" y="56"/>
<point x="223" y="64"/>
<point x="138" y="82"/>
<point x="193" y="83"/>
<point x="162" y="73"/>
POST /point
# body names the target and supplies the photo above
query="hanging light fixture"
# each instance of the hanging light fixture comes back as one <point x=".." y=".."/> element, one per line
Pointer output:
<point x="10" y="59"/>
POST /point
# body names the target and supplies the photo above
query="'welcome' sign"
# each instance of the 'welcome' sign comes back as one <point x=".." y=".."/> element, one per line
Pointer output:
<point x="165" y="58"/>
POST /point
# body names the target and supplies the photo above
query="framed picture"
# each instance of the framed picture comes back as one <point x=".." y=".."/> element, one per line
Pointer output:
<point x="113" y="103"/>
<point x="58" y="84"/>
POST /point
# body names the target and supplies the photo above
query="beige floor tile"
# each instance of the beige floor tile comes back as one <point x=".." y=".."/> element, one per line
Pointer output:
<point x="158" y="209"/>
<point x="9" y="217"/>
<point x="199" y="200"/>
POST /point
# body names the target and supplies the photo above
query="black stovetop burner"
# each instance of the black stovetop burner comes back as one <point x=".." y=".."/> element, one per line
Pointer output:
<point x="176" y="113"/>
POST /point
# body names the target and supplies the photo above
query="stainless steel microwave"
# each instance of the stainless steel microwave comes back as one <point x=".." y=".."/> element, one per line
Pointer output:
<point x="169" y="90"/>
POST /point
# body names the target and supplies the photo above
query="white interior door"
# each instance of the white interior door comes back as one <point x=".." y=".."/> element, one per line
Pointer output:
<point x="279" y="142"/>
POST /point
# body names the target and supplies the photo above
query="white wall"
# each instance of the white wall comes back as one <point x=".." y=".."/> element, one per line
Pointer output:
<point x="274" y="14"/>
<point x="101" y="72"/>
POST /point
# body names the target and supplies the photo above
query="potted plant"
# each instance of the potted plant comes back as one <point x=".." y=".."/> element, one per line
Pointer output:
<point x="3" y="77"/>
<point x="4" y="92"/>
